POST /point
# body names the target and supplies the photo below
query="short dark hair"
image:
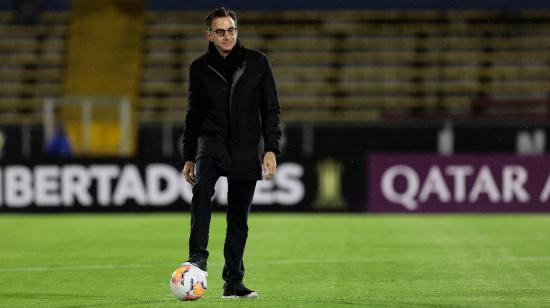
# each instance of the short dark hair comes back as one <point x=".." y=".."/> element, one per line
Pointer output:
<point x="221" y="11"/>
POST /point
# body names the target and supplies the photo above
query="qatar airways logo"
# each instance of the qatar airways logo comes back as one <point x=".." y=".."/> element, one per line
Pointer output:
<point x="509" y="187"/>
<point x="461" y="183"/>
<point x="154" y="185"/>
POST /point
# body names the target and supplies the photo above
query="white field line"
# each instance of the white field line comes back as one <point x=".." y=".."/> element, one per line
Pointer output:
<point x="274" y="262"/>
<point x="76" y="267"/>
<point x="405" y="259"/>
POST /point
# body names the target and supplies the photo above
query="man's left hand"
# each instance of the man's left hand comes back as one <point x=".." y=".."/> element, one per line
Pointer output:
<point x="270" y="164"/>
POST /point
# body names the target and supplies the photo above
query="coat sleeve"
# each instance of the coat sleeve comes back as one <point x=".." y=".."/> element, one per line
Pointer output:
<point x="270" y="112"/>
<point x="193" y="116"/>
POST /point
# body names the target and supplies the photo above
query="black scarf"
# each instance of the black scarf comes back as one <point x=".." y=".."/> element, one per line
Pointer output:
<point x="226" y="66"/>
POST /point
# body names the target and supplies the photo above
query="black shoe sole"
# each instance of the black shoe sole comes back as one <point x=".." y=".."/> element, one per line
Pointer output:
<point x="250" y="295"/>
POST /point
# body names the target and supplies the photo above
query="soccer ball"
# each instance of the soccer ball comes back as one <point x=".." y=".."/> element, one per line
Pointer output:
<point x="188" y="282"/>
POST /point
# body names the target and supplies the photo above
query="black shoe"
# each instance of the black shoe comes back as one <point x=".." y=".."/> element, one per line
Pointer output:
<point x="237" y="291"/>
<point x="203" y="269"/>
<point x="198" y="260"/>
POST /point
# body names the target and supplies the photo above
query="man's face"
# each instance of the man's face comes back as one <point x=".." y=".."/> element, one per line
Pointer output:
<point x="224" y="26"/>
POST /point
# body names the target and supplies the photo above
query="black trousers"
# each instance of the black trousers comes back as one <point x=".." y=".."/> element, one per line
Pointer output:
<point x="239" y="200"/>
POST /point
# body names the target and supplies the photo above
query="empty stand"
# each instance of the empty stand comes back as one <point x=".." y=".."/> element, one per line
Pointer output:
<point x="330" y="65"/>
<point x="363" y="65"/>
<point x="31" y="65"/>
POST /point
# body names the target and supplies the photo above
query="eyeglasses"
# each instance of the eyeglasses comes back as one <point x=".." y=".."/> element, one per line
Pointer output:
<point x="221" y="32"/>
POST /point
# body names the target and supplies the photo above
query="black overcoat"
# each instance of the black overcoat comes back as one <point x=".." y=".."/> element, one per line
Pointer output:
<point x="233" y="123"/>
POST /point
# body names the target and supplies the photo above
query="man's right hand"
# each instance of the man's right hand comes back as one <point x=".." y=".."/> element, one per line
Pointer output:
<point x="189" y="172"/>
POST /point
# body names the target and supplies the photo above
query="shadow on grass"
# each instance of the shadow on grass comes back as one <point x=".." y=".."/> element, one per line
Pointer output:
<point x="46" y="296"/>
<point x="397" y="303"/>
<point x="108" y="300"/>
<point x="345" y="302"/>
<point x="125" y="302"/>
<point x="366" y="302"/>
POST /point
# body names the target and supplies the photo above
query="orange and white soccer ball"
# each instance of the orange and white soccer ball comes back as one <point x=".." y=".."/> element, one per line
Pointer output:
<point x="188" y="282"/>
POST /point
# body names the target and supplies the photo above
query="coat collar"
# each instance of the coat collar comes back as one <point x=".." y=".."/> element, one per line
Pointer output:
<point x="230" y="63"/>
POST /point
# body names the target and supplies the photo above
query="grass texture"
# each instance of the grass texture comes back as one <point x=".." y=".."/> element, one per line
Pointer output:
<point x="291" y="260"/>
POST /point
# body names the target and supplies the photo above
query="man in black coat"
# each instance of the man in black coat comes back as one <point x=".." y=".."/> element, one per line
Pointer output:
<point x="233" y="119"/>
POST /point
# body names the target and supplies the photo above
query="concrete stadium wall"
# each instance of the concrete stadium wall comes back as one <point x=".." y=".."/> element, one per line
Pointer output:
<point x="48" y="5"/>
<point x="311" y="5"/>
<point x="346" y="4"/>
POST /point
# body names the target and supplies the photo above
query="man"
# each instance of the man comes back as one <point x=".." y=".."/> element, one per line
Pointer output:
<point x="232" y="104"/>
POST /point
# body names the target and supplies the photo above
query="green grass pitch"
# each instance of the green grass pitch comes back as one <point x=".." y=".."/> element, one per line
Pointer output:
<point x="292" y="260"/>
